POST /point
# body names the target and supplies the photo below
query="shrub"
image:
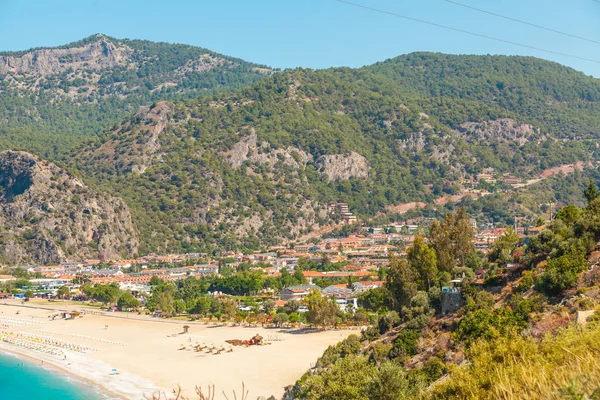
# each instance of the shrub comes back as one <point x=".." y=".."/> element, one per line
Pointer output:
<point x="561" y="273"/>
<point x="371" y="333"/>
<point x="388" y="321"/>
<point x="379" y="352"/>
<point x="405" y="344"/>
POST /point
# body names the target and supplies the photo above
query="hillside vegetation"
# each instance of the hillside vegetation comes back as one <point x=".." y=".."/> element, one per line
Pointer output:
<point x="515" y="336"/>
<point x="255" y="166"/>
<point x="210" y="152"/>
<point x="53" y="99"/>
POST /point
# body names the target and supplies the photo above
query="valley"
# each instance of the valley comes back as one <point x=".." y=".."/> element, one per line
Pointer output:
<point x="174" y="220"/>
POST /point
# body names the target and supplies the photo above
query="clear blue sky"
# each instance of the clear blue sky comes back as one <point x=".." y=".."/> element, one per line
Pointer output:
<point x="310" y="33"/>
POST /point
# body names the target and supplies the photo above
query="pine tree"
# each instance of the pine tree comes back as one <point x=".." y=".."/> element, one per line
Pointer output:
<point x="591" y="192"/>
<point x="423" y="260"/>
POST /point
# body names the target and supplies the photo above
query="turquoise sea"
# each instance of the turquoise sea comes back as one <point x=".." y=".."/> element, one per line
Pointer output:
<point x="20" y="380"/>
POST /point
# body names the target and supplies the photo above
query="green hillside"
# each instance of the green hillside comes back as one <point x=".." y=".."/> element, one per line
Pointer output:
<point x="255" y="166"/>
<point x="53" y="99"/>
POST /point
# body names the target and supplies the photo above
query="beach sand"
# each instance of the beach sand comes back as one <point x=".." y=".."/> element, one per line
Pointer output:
<point x="145" y="352"/>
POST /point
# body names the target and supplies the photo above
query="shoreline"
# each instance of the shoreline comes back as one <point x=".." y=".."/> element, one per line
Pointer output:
<point x="130" y="358"/>
<point x="56" y="369"/>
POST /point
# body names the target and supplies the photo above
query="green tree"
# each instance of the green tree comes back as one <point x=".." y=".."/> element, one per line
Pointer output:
<point x="452" y="240"/>
<point x="391" y="382"/>
<point x="568" y="214"/>
<point x="504" y="246"/>
<point x="387" y="321"/>
<point x="591" y="192"/>
<point x="401" y="282"/>
<point x="63" y="292"/>
<point x="28" y="294"/>
<point x="127" y="301"/>
<point x="268" y="305"/>
<point x="294" y="318"/>
<point x="374" y="299"/>
<point x="291" y="306"/>
<point x="155" y="281"/>
<point x="423" y="260"/>
<point x="229" y="307"/>
<point x="347" y="379"/>
<point x="107" y="294"/>
<point x="561" y="273"/>
<point x="280" y="318"/>
<point x="164" y="302"/>
<point x="179" y="306"/>
<point x="321" y="310"/>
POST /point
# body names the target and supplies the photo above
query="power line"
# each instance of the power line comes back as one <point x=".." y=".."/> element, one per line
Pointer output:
<point x="466" y="32"/>
<point x="524" y="22"/>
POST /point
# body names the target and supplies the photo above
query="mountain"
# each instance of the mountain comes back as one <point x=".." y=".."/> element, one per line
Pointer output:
<point x="256" y="166"/>
<point x="48" y="215"/>
<point x="550" y="96"/>
<point x="53" y="99"/>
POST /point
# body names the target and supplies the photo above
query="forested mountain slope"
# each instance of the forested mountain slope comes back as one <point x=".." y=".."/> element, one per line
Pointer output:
<point x="255" y="166"/>
<point x="550" y="96"/>
<point x="52" y="99"/>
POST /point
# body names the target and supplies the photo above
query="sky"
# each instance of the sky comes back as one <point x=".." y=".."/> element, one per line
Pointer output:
<point x="314" y="33"/>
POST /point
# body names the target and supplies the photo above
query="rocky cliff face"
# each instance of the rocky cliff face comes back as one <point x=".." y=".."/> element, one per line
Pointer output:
<point x="500" y="130"/>
<point x="48" y="216"/>
<point x="97" y="55"/>
<point x="100" y="66"/>
<point x="248" y="149"/>
<point x="343" y="166"/>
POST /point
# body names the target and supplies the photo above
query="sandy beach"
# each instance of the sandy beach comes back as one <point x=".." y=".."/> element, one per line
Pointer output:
<point x="129" y="357"/>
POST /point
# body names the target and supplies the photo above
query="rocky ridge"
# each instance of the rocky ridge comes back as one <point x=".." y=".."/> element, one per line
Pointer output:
<point x="97" y="55"/>
<point x="50" y="216"/>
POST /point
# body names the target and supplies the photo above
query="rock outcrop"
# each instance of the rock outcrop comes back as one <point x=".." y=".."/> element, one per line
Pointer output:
<point x="248" y="149"/>
<point x="343" y="166"/>
<point x="97" y="55"/>
<point x="48" y="215"/>
<point x="135" y="145"/>
<point x="504" y="129"/>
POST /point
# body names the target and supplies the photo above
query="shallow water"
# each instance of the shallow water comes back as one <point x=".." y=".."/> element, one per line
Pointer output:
<point x="22" y="380"/>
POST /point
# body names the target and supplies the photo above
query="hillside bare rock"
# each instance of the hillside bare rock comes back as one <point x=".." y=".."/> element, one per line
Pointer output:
<point x="248" y="149"/>
<point x="503" y="129"/>
<point x="343" y="166"/>
<point x="135" y="145"/>
<point x="49" y="216"/>
<point x="97" y="55"/>
<point x="104" y="67"/>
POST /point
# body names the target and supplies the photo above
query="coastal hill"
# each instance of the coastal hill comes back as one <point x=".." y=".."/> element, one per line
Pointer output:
<point x="52" y="99"/>
<point x="48" y="215"/>
<point x="256" y="166"/>
<point x="211" y="152"/>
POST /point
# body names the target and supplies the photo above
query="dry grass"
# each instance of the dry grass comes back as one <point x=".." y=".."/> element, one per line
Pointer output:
<point x="563" y="366"/>
<point x="201" y="395"/>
